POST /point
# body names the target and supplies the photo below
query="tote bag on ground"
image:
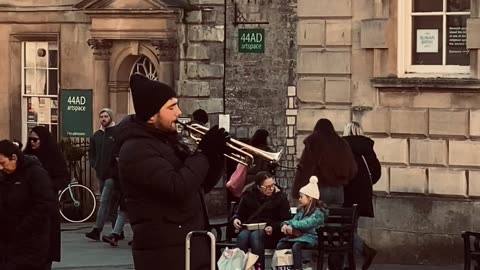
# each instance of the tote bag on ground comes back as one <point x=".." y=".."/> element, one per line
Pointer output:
<point x="282" y="260"/>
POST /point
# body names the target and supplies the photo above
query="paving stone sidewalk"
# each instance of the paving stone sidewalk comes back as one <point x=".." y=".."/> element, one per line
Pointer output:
<point x="80" y="253"/>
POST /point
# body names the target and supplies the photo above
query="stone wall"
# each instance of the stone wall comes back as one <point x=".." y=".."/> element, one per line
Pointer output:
<point x="426" y="131"/>
<point x="256" y="85"/>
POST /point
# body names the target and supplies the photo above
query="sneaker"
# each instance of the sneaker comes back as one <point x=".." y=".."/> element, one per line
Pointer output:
<point x="112" y="239"/>
<point x="368" y="256"/>
<point x="94" y="234"/>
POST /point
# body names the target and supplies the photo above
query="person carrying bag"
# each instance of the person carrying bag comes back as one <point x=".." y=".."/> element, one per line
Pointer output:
<point x="237" y="180"/>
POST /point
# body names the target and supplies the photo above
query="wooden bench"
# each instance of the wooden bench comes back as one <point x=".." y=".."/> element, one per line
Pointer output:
<point x="335" y="237"/>
<point x="471" y="249"/>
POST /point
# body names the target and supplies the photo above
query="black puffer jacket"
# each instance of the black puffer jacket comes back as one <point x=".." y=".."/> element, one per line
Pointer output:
<point x="276" y="210"/>
<point x="163" y="187"/>
<point x="100" y="152"/>
<point x="27" y="202"/>
<point x="359" y="189"/>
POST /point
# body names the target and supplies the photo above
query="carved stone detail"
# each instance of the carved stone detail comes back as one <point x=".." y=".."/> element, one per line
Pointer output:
<point x="101" y="48"/>
<point x="167" y="49"/>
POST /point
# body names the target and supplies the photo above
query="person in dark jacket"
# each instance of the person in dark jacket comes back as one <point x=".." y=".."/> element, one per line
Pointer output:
<point x="100" y="157"/>
<point x="42" y="145"/>
<point x="260" y="141"/>
<point x="120" y="207"/>
<point x="359" y="190"/>
<point x="262" y="202"/>
<point x="163" y="182"/>
<point x="27" y="202"/>
<point x="329" y="157"/>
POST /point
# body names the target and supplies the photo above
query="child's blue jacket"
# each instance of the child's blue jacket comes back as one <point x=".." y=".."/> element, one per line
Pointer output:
<point x="307" y="226"/>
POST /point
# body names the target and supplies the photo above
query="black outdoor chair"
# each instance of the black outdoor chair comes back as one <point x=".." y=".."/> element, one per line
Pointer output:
<point x="335" y="238"/>
<point x="471" y="249"/>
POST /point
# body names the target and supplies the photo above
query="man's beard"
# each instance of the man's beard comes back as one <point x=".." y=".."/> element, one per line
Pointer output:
<point x="106" y="124"/>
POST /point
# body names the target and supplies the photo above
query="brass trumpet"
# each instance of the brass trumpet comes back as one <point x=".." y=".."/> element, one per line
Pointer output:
<point x="241" y="152"/>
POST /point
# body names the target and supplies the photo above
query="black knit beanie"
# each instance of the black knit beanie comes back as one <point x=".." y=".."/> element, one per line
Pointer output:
<point x="148" y="96"/>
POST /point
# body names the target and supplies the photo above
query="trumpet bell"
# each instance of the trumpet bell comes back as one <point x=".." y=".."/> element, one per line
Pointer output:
<point x="240" y="152"/>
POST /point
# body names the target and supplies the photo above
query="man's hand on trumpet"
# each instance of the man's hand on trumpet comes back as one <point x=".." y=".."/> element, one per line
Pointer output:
<point x="213" y="142"/>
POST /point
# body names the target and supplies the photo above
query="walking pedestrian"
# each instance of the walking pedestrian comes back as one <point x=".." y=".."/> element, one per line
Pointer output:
<point x="100" y="156"/>
<point x="360" y="190"/>
<point x="42" y="145"/>
<point x="120" y="207"/>
<point x="27" y="203"/>
<point x="164" y="183"/>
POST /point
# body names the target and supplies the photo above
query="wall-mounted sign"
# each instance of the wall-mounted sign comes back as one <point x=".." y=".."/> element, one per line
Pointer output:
<point x="427" y="40"/>
<point x="251" y="40"/>
<point x="76" y="113"/>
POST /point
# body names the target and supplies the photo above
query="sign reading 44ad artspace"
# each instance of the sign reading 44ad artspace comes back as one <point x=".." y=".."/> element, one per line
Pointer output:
<point x="251" y="40"/>
<point x="76" y="113"/>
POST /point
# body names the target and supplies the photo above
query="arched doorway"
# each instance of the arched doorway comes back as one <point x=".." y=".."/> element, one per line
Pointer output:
<point x="130" y="58"/>
<point x="144" y="66"/>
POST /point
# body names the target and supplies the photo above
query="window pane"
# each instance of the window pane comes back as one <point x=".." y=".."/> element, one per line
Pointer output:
<point x="30" y="54"/>
<point x="52" y="55"/>
<point x="427" y="5"/>
<point x="42" y="49"/>
<point x="427" y="40"/>
<point x="32" y="110"/>
<point x="54" y="113"/>
<point x="41" y="82"/>
<point x="52" y="82"/>
<point x="457" y="53"/>
<point x="29" y="81"/>
<point x="458" y="5"/>
<point x="44" y="110"/>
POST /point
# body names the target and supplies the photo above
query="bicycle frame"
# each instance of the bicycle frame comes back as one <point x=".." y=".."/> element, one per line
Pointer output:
<point x="76" y="202"/>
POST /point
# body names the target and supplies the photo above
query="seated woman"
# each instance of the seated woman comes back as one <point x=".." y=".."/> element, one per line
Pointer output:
<point x="262" y="202"/>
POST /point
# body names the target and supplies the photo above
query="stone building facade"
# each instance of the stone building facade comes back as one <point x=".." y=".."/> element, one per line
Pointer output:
<point x="369" y="61"/>
<point x="96" y="45"/>
<point x="344" y="60"/>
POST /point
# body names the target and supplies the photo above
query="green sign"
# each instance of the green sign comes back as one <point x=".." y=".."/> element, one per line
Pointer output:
<point x="76" y="113"/>
<point x="251" y="40"/>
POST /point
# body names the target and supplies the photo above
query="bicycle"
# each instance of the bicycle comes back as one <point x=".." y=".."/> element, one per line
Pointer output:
<point x="71" y="207"/>
<point x="77" y="201"/>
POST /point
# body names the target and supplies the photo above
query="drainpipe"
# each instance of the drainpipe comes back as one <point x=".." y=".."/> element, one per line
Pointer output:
<point x="224" y="55"/>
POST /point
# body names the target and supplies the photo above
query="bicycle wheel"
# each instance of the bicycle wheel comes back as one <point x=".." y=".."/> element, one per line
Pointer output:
<point x="78" y="205"/>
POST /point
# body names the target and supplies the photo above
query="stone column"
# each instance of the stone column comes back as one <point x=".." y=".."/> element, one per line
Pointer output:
<point x="101" y="50"/>
<point x="167" y="60"/>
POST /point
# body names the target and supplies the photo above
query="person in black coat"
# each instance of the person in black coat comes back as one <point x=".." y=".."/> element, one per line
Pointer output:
<point x="27" y="202"/>
<point x="262" y="202"/>
<point x="42" y="145"/>
<point x="359" y="190"/>
<point x="260" y="140"/>
<point x="163" y="182"/>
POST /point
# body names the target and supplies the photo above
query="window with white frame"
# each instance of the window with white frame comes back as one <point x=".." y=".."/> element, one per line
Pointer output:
<point x="433" y="37"/>
<point x="39" y="86"/>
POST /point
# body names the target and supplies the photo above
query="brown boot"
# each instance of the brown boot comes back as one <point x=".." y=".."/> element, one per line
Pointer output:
<point x="368" y="255"/>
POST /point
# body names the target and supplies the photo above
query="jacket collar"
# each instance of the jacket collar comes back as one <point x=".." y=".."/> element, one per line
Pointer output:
<point x="112" y="124"/>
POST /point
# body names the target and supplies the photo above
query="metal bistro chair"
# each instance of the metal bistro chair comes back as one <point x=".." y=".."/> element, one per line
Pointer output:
<point x="336" y="236"/>
<point x="471" y="249"/>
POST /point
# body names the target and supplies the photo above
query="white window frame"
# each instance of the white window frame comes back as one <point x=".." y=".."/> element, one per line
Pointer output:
<point x="26" y="96"/>
<point x="405" y="68"/>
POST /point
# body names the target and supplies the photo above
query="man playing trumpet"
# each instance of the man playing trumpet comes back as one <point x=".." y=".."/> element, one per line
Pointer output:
<point x="163" y="182"/>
